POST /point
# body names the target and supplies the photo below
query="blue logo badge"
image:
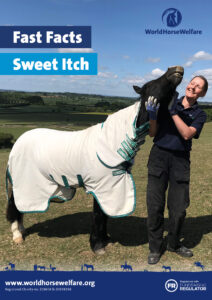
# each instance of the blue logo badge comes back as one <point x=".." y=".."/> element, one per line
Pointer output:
<point x="172" y="17"/>
<point x="171" y="285"/>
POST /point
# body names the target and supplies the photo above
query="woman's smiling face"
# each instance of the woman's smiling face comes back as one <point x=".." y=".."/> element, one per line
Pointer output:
<point x="195" y="89"/>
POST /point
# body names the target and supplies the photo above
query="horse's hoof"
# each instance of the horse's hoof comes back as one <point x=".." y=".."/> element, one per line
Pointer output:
<point x="100" y="251"/>
<point x="18" y="240"/>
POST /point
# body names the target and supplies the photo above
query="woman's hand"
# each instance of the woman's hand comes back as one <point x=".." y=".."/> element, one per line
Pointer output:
<point x="172" y="104"/>
<point x="152" y="107"/>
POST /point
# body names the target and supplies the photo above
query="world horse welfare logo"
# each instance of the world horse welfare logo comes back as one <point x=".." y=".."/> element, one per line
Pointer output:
<point x="172" y="18"/>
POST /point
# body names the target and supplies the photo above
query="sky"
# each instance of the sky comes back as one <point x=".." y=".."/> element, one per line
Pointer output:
<point x="127" y="56"/>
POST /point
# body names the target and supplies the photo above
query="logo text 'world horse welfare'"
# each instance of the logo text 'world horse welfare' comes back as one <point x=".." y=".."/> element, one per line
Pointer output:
<point x="172" y="18"/>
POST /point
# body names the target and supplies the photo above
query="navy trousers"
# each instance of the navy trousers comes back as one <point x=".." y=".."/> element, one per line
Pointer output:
<point x="167" y="170"/>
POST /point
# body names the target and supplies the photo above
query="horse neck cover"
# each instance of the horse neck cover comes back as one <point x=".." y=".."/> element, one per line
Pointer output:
<point x="45" y="164"/>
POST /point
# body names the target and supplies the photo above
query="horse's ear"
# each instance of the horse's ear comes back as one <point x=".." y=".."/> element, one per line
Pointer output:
<point x="137" y="89"/>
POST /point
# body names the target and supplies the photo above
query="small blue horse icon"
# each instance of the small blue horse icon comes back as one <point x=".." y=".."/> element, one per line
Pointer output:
<point x="126" y="267"/>
<point x="10" y="267"/>
<point x="88" y="267"/>
<point x="198" y="264"/>
<point x="166" y="268"/>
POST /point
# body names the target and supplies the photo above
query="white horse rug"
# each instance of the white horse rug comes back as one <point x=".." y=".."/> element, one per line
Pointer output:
<point x="47" y="164"/>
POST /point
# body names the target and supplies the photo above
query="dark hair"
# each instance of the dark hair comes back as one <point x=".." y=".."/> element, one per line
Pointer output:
<point x="205" y="88"/>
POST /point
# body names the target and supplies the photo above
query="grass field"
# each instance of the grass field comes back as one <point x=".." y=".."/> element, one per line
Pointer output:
<point x="61" y="236"/>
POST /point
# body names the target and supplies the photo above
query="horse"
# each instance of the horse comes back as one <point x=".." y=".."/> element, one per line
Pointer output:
<point x="126" y="267"/>
<point x="91" y="267"/>
<point x="166" y="268"/>
<point x="198" y="264"/>
<point x="47" y="165"/>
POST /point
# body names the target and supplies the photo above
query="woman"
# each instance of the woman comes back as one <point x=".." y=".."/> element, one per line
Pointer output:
<point x="169" y="165"/>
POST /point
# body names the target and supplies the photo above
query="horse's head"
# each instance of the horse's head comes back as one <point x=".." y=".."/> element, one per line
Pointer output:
<point x="162" y="88"/>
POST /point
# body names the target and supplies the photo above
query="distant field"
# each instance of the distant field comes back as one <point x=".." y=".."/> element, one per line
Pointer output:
<point x="61" y="236"/>
<point x="45" y="118"/>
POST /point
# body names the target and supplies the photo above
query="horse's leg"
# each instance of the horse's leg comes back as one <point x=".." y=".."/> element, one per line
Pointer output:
<point x="98" y="237"/>
<point x="16" y="220"/>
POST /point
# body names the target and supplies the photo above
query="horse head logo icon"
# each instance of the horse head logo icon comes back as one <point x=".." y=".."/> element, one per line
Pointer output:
<point x="171" y="17"/>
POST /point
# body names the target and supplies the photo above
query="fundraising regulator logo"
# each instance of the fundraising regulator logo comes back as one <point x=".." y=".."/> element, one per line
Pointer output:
<point x="171" y="285"/>
<point x="171" y="19"/>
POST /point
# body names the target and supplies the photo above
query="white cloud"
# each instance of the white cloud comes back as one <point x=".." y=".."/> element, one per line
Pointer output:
<point x="204" y="72"/>
<point x="134" y="80"/>
<point x="139" y="80"/>
<point x="207" y="73"/>
<point x="107" y="75"/>
<point x="157" y="72"/>
<point x="75" y="50"/>
<point x="200" y="55"/>
<point x="188" y="63"/>
<point x="153" y="59"/>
